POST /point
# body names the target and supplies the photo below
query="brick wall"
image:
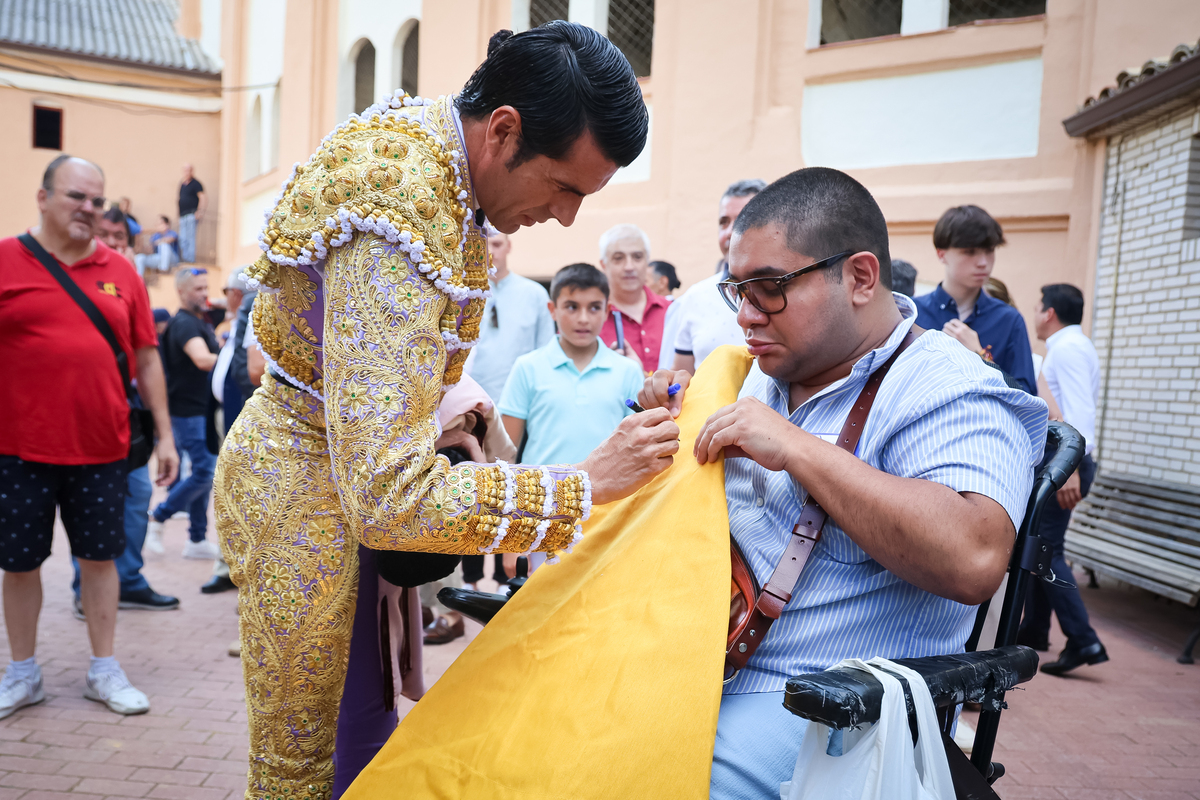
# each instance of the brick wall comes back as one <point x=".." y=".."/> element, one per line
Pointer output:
<point x="1150" y="359"/>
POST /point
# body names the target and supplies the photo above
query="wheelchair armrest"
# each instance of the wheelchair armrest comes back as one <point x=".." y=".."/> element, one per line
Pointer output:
<point x="479" y="606"/>
<point x="847" y="698"/>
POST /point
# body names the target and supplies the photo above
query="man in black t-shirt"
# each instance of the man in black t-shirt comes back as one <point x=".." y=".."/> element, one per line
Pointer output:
<point x="192" y="205"/>
<point x="189" y="349"/>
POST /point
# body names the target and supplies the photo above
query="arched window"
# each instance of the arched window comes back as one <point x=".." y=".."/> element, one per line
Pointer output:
<point x="409" y="58"/>
<point x="254" y="141"/>
<point x="364" y="78"/>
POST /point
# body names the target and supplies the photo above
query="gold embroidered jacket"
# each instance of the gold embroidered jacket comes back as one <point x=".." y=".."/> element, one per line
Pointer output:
<point x="373" y="280"/>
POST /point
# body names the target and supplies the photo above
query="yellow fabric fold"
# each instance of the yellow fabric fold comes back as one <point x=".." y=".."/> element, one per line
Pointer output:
<point x="601" y="678"/>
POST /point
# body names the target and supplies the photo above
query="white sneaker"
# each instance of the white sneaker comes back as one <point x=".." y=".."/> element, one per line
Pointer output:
<point x="114" y="690"/>
<point x="17" y="693"/>
<point x="153" y="541"/>
<point x="202" y="549"/>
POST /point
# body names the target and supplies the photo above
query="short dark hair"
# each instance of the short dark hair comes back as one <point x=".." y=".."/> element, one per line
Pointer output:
<point x="578" y="276"/>
<point x="967" y="227"/>
<point x="667" y="270"/>
<point x="904" y="277"/>
<point x="746" y="188"/>
<point x="52" y="170"/>
<point x="1066" y="300"/>
<point x="562" y="78"/>
<point x="116" y="215"/>
<point x="825" y="212"/>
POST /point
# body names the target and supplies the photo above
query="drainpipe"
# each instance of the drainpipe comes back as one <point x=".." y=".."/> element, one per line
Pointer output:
<point x="1121" y="187"/>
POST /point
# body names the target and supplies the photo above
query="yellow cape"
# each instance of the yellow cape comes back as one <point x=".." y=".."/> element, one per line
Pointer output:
<point x="602" y="677"/>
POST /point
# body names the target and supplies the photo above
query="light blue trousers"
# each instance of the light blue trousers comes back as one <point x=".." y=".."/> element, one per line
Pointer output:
<point x="756" y="748"/>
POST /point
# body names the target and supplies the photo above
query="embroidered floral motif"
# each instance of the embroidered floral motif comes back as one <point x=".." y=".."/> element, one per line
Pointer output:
<point x="354" y="395"/>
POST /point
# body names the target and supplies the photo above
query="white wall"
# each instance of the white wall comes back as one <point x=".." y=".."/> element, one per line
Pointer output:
<point x="639" y="170"/>
<point x="264" y="69"/>
<point x="210" y="29"/>
<point x="378" y="22"/>
<point x="972" y="114"/>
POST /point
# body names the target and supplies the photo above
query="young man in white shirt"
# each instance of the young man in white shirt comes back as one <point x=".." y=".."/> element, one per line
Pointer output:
<point x="1072" y="371"/>
<point x="701" y="322"/>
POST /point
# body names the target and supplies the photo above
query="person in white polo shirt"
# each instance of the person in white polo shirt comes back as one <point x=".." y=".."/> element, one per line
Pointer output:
<point x="515" y="321"/>
<point x="1072" y="371"/>
<point x="700" y="322"/>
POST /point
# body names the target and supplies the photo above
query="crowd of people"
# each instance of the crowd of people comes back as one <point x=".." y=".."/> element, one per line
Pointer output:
<point x="542" y="417"/>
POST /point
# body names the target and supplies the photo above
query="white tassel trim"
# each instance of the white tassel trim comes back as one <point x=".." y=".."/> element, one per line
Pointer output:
<point x="585" y="507"/>
<point x="510" y="487"/>
<point x="542" y="527"/>
<point x="548" y="487"/>
<point x="501" y="532"/>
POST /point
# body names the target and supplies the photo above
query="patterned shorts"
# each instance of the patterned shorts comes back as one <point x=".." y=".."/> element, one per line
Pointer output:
<point x="90" y="497"/>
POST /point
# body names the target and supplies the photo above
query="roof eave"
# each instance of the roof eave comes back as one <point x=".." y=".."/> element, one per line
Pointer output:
<point x="1173" y="87"/>
<point x="191" y="73"/>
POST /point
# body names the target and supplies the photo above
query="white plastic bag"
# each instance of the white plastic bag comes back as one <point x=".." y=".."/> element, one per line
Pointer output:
<point x="878" y="763"/>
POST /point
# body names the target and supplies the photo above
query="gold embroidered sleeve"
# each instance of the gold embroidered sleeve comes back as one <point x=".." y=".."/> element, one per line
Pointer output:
<point x="385" y="359"/>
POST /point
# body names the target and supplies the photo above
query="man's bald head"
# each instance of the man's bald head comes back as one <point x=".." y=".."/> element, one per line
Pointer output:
<point x="53" y="167"/>
<point x="71" y="198"/>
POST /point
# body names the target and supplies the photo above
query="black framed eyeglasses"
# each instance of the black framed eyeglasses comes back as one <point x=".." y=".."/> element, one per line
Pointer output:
<point x="79" y="197"/>
<point x="767" y="294"/>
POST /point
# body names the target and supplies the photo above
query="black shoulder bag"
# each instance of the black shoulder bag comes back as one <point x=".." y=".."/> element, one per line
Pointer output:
<point x="141" y="420"/>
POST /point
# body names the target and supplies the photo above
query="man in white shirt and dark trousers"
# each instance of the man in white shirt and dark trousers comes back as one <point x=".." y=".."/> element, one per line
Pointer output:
<point x="700" y="322"/>
<point x="516" y="321"/>
<point x="1072" y="372"/>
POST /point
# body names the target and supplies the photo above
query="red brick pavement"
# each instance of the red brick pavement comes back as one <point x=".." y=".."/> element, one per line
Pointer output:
<point x="1127" y="729"/>
<point x="192" y="744"/>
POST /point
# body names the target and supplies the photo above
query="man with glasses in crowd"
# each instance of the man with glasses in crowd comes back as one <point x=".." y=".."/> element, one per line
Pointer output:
<point x="920" y="523"/>
<point x="65" y="437"/>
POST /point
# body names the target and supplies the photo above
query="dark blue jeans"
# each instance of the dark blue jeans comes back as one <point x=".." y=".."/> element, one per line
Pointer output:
<point x="191" y="494"/>
<point x="137" y="515"/>
<point x="1043" y="598"/>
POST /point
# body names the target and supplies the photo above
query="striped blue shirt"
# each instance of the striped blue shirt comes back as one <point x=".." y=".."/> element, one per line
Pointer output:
<point x="941" y="415"/>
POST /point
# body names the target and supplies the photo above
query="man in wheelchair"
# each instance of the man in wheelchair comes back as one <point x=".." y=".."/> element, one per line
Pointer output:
<point x="922" y="514"/>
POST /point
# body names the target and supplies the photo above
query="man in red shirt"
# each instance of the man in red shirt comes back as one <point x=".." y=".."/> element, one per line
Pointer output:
<point x="64" y="426"/>
<point x="635" y="314"/>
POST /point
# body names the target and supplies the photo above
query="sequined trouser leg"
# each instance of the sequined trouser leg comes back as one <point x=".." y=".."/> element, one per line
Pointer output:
<point x="280" y="526"/>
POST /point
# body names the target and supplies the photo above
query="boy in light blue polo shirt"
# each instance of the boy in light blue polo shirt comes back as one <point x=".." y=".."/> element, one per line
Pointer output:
<point x="570" y="395"/>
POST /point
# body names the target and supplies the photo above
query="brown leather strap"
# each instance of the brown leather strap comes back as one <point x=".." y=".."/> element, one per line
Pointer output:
<point x="778" y="591"/>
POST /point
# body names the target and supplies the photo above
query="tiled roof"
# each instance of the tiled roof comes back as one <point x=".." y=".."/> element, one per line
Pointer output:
<point x="1158" y="88"/>
<point x="134" y="31"/>
<point x="1127" y="79"/>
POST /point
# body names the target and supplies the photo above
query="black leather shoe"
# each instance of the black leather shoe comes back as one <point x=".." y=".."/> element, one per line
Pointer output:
<point x="218" y="583"/>
<point x="1032" y="642"/>
<point x="148" y="600"/>
<point x="1069" y="659"/>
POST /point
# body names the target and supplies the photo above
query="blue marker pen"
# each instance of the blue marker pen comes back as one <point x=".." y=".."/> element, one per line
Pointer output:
<point x="672" y="390"/>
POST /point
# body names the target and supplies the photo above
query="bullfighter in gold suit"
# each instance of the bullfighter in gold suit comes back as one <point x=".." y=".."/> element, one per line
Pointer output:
<point x="373" y="282"/>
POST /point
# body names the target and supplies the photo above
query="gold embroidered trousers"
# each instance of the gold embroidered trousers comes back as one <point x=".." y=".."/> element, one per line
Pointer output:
<point x="296" y="566"/>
